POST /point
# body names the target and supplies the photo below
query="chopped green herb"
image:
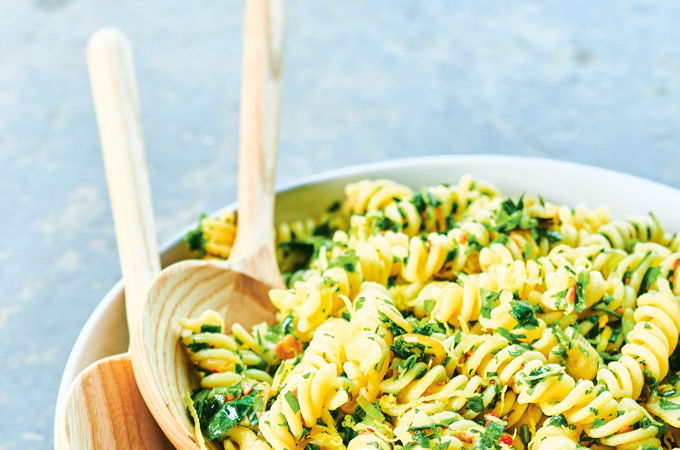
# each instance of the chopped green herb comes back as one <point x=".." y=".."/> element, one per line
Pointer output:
<point x="489" y="299"/>
<point x="524" y="314"/>
<point x="668" y="405"/>
<point x="211" y="329"/>
<point x="581" y="283"/>
<point x="195" y="239"/>
<point x="292" y="401"/>
<point x="558" y="421"/>
<point x="493" y="432"/>
<point x="649" y="279"/>
<point x="395" y="329"/>
<point x="198" y="346"/>
<point x="597" y="423"/>
<point x="476" y="403"/>
<point x="346" y="261"/>
<point x="524" y="434"/>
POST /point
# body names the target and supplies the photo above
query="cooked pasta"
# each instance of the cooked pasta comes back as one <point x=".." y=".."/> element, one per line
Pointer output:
<point x="448" y="317"/>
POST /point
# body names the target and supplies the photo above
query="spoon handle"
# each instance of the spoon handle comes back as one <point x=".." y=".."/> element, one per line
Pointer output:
<point x="112" y="76"/>
<point x="259" y="134"/>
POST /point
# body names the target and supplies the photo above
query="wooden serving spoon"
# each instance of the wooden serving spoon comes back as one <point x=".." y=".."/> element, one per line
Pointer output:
<point x="238" y="287"/>
<point x="104" y="408"/>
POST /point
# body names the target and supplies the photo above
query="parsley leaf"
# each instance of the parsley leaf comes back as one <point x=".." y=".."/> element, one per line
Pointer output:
<point x="558" y="421"/>
<point x="217" y="414"/>
<point x="581" y="283"/>
<point x="597" y="423"/>
<point x="489" y="299"/>
<point x="524" y="314"/>
<point x="292" y="401"/>
<point x="476" y="403"/>
<point x="493" y="432"/>
<point x="649" y="279"/>
<point x="668" y="405"/>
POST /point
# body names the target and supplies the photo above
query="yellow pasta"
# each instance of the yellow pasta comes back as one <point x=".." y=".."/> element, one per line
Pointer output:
<point x="448" y="317"/>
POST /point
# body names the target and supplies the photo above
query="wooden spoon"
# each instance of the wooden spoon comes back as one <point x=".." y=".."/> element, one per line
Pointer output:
<point x="238" y="287"/>
<point x="104" y="408"/>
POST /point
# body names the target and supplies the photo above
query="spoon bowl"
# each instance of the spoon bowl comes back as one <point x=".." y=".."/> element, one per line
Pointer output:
<point x="238" y="288"/>
<point x="186" y="289"/>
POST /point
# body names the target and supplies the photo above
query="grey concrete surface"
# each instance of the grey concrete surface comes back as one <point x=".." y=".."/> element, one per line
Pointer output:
<point x="592" y="82"/>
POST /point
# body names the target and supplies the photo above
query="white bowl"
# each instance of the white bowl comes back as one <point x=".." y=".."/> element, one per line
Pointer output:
<point x="105" y="332"/>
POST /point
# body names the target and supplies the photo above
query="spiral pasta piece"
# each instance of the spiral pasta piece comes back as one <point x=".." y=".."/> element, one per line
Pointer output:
<point x="368" y="352"/>
<point x="311" y="389"/>
<point x="650" y="344"/>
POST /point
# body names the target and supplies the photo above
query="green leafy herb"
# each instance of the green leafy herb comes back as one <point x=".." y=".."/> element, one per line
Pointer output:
<point x="597" y="423"/>
<point x="489" y="439"/>
<point x="524" y="314"/>
<point x="649" y="279"/>
<point x="394" y="328"/>
<point x="334" y="207"/>
<point x="430" y="328"/>
<point x="581" y="283"/>
<point x="558" y="421"/>
<point x="403" y="349"/>
<point x="489" y="299"/>
<point x="211" y="329"/>
<point x="298" y="253"/>
<point x="524" y="434"/>
<point x="428" y="305"/>
<point x="501" y="239"/>
<point x="384" y="223"/>
<point x="512" y="215"/>
<point x="514" y="338"/>
<point x="347" y="261"/>
<point x="552" y="236"/>
<point x="668" y="405"/>
<point x="373" y="413"/>
<point x="292" y="401"/>
<point x="198" y="346"/>
<point x="346" y="427"/>
<point x="195" y="239"/>
<point x="281" y="329"/>
<point x="474" y="245"/>
<point x="476" y="403"/>
<point x="218" y="414"/>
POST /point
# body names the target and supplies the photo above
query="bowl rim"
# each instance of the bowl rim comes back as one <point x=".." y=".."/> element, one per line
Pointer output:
<point x="107" y="303"/>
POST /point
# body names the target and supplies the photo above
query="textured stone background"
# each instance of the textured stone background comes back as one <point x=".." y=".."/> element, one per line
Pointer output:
<point x="593" y="82"/>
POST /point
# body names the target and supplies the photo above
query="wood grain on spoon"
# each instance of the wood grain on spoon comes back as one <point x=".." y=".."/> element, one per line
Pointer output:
<point x="104" y="408"/>
<point x="238" y="287"/>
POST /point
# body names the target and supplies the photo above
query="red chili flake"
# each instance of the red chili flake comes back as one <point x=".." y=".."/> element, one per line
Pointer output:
<point x="465" y="436"/>
<point x="492" y="382"/>
<point x="625" y="428"/>
<point x="571" y="294"/>
<point x="288" y="348"/>
<point x="493" y="413"/>
<point x="462" y="238"/>
<point x="370" y="430"/>
<point x="505" y="439"/>
<point x="676" y="264"/>
<point x="214" y="371"/>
